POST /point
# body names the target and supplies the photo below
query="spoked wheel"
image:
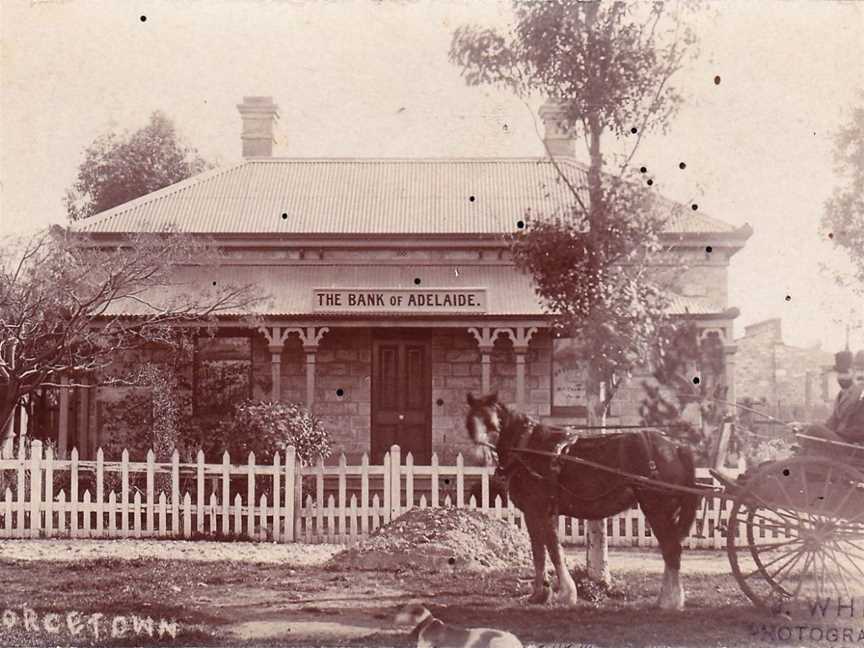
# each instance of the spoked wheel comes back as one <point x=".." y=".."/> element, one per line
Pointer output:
<point x="796" y="532"/>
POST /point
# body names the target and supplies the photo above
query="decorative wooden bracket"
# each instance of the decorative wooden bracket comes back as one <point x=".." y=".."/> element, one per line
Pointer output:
<point x="485" y="336"/>
<point x="276" y="336"/>
<point x="705" y="332"/>
<point x="520" y="336"/>
<point x="309" y="336"/>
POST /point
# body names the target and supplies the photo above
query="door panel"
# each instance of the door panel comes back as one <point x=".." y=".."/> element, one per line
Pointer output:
<point x="401" y="398"/>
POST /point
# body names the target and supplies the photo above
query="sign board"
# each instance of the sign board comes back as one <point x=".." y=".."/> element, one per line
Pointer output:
<point x="400" y="300"/>
<point x="568" y="379"/>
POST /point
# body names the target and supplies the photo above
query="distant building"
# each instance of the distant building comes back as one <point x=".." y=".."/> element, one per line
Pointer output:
<point x="786" y="381"/>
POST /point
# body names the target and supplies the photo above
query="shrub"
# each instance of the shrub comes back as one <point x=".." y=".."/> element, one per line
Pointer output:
<point x="266" y="428"/>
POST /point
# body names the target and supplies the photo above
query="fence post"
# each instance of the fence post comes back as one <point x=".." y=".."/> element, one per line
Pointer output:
<point x="175" y="493"/>
<point x="20" y="531"/>
<point x="388" y="490"/>
<point x="342" y="502"/>
<point x="100" y="491"/>
<point x="319" y="496"/>
<point x="35" y="488"/>
<point x="395" y="482"/>
<point x="73" y="495"/>
<point x="409" y="481"/>
<point x="277" y="515"/>
<point x="291" y="493"/>
<point x="49" y="494"/>
<point x="434" y="480"/>
<point x="199" y="491"/>
<point x="250" y="497"/>
<point x="150" y="513"/>
<point x="364" y="494"/>
<point x="460" y="481"/>
<point x="124" y="492"/>
<point x="226" y="493"/>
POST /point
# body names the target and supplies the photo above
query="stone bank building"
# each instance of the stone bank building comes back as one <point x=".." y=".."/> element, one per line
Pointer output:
<point x="392" y="291"/>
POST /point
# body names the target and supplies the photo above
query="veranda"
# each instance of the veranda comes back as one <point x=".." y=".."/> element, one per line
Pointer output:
<point x="280" y="501"/>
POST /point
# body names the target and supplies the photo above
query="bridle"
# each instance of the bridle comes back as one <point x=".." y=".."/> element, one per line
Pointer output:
<point x="515" y="456"/>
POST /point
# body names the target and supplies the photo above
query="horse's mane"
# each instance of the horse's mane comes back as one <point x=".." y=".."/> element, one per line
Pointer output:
<point x="512" y="420"/>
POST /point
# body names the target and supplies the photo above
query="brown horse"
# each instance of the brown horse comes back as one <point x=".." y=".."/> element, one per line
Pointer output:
<point x="543" y="487"/>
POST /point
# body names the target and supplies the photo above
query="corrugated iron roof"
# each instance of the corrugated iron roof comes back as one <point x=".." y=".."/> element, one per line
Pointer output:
<point x="364" y="197"/>
<point x="291" y="288"/>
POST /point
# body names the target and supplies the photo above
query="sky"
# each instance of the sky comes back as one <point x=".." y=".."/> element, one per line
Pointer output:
<point x="369" y="79"/>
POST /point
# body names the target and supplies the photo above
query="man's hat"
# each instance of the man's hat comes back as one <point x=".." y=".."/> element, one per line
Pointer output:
<point x="843" y="361"/>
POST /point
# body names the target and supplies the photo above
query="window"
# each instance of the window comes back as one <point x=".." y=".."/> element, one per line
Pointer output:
<point x="568" y="379"/>
<point x="223" y="374"/>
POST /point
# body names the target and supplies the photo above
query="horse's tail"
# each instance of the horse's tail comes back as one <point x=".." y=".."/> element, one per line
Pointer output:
<point x="689" y="503"/>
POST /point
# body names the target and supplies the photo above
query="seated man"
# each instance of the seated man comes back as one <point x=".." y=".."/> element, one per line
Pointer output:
<point x="846" y="423"/>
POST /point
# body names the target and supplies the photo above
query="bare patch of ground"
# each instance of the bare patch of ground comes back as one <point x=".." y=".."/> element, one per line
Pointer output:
<point x="247" y="604"/>
<point x="85" y="549"/>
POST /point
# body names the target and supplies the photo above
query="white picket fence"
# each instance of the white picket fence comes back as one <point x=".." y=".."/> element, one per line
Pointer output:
<point x="320" y="503"/>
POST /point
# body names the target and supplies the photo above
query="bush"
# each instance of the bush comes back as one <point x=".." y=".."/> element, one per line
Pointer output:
<point x="266" y="428"/>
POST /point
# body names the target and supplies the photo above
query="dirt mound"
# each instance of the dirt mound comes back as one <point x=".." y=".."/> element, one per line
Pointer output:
<point x="436" y="540"/>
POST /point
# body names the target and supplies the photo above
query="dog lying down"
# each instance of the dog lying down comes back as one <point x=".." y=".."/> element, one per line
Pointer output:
<point x="434" y="633"/>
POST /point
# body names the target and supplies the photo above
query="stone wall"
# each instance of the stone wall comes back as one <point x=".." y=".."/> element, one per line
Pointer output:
<point x="792" y="381"/>
<point x="344" y="362"/>
<point x="343" y="396"/>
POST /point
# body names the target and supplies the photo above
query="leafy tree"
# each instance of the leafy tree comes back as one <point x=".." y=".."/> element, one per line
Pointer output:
<point x="688" y="376"/>
<point x="843" y="220"/>
<point x="70" y="308"/>
<point x="118" y="168"/>
<point x="608" y="68"/>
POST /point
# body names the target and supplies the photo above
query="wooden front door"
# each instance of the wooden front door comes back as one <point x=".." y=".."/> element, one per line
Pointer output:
<point x="401" y="397"/>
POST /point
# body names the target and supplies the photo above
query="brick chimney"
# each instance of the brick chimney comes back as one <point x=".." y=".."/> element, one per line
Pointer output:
<point x="558" y="141"/>
<point x="258" y="114"/>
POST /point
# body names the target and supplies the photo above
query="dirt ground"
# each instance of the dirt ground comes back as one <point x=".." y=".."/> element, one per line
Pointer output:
<point x="271" y="595"/>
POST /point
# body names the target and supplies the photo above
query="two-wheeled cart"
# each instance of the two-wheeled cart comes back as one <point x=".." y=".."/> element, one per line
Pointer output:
<point x="796" y="526"/>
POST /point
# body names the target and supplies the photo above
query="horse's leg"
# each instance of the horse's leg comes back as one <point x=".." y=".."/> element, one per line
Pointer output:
<point x="663" y="524"/>
<point x="566" y="586"/>
<point x="533" y="524"/>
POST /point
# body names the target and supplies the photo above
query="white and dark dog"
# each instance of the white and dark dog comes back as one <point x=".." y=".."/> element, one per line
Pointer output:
<point x="434" y="633"/>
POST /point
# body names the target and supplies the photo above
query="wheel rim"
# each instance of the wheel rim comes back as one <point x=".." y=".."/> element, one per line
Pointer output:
<point x="796" y="531"/>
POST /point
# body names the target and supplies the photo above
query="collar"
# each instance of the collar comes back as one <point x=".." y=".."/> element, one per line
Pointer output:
<point x="513" y="457"/>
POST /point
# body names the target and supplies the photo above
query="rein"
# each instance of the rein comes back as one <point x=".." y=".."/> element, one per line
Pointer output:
<point x="661" y="485"/>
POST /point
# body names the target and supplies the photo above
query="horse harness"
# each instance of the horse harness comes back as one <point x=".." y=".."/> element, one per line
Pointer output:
<point x="556" y="462"/>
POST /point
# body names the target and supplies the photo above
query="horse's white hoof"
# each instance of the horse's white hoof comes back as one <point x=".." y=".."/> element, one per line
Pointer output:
<point x="671" y="593"/>
<point x="569" y="599"/>
<point x="540" y="597"/>
<point x="673" y="600"/>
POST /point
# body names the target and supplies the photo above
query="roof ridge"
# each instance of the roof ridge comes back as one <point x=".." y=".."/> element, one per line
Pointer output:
<point x="417" y="160"/>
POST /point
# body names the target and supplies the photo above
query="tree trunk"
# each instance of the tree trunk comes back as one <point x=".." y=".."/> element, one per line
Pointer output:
<point x="596" y="546"/>
<point x="597" y="549"/>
